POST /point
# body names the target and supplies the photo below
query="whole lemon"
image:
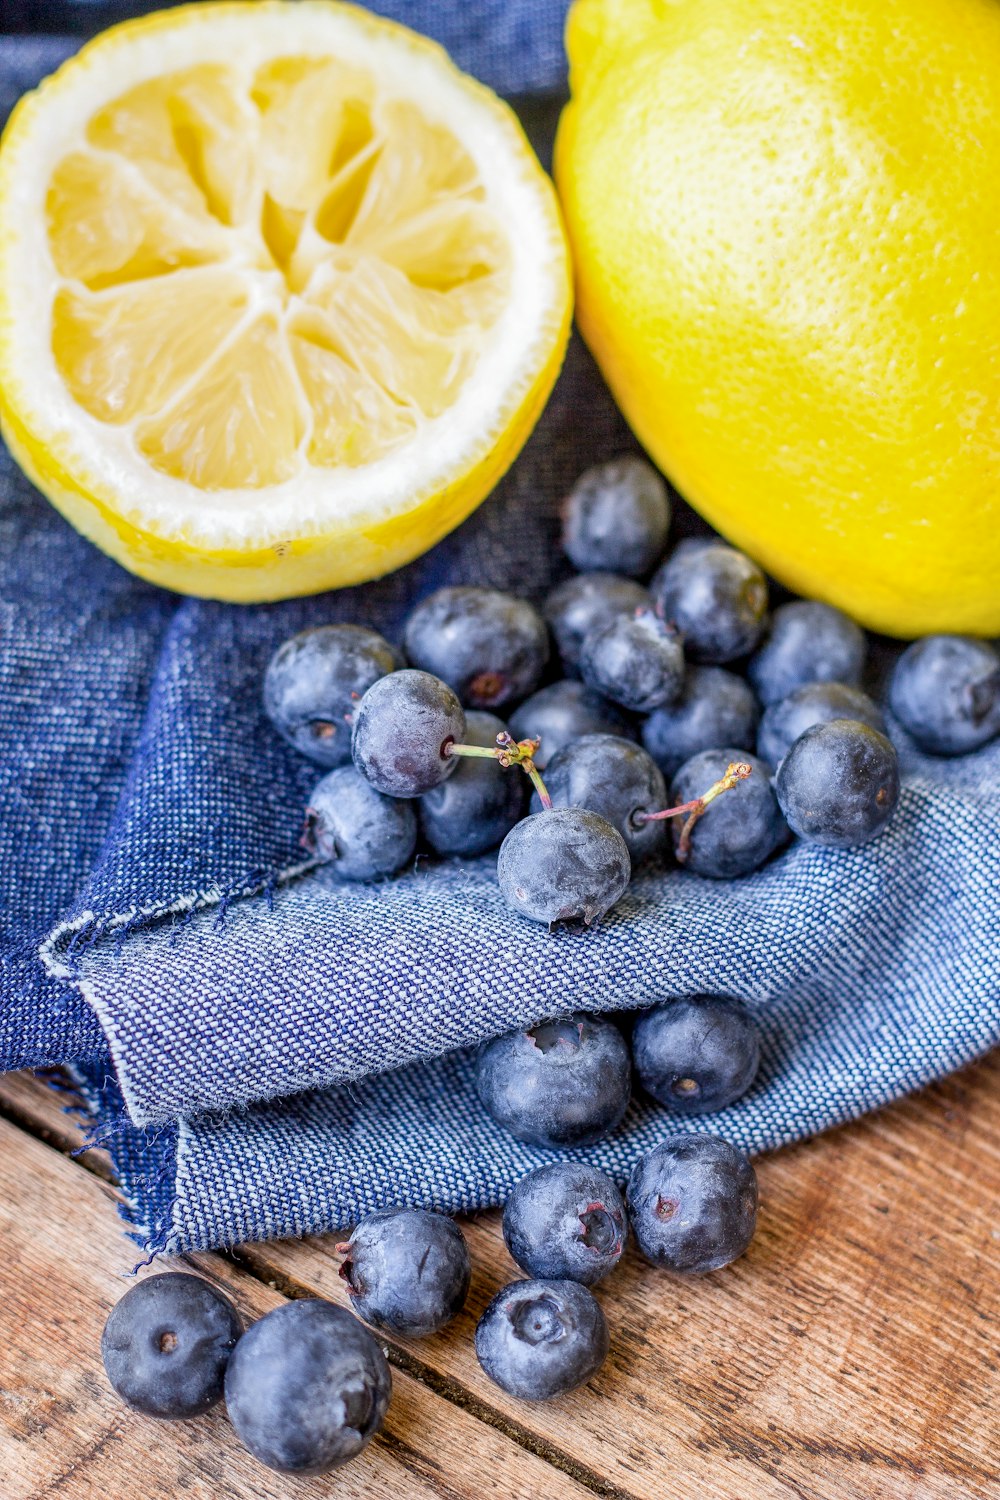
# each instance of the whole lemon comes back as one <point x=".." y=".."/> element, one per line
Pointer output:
<point x="785" y="217"/>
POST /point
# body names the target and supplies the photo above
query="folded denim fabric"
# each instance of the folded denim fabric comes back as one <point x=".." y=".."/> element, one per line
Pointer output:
<point x="273" y="1052"/>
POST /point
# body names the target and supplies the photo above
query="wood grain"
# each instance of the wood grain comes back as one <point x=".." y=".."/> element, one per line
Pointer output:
<point x="849" y="1356"/>
<point x="65" y="1435"/>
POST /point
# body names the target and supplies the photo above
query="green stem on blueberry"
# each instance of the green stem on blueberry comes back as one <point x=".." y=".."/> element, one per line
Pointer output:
<point x="509" y="752"/>
<point x="736" y="771"/>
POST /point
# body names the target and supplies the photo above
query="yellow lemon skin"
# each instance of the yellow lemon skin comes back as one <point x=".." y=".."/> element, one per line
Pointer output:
<point x="785" y="220"/>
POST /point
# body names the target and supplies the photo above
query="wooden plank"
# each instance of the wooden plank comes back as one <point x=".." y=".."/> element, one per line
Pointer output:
<point x="850" y="1356"/>
<point x="64" y="1435"/>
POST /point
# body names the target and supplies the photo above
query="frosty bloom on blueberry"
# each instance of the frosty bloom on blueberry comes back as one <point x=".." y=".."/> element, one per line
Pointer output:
<point x="539" y="1339"/>
<point x="407" y="1270"/>
<point x="315" y="681"/>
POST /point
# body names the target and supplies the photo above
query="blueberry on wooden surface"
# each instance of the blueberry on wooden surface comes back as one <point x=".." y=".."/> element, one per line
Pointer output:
<point x="566" y="1220"/>
<point x="692" y="1203"/>
<point x="307" y="1387"/>
<point x="167" y="1343"/>
<point x="539" y="1339"/>
<point x="407" y="1269"/>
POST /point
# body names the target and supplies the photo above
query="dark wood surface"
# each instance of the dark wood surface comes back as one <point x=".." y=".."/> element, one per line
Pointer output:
<point x="851" y="1355"/>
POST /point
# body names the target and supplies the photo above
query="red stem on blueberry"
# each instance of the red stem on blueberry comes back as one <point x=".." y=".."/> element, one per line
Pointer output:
<point x="509" y="752"/>
<point x="736" y="771"/>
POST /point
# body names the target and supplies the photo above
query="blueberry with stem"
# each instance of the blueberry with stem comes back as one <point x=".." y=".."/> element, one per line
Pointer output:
<point x="735" y="835"/>
<point x="691" y="810"/>
<point x="403" y="728"/>
<point x="476" y="807"/>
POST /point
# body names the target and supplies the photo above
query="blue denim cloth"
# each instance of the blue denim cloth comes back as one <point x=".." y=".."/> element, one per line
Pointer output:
<point x="270" y="1052"/>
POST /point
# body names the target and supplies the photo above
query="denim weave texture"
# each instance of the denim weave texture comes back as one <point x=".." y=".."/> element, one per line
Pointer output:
<point x="269" y="1052"/>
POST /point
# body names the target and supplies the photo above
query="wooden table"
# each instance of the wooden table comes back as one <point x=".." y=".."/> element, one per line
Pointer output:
<point x="851" y="1355"/>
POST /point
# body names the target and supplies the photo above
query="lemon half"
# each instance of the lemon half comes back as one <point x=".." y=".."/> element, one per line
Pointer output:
<point x="282" y="294"/>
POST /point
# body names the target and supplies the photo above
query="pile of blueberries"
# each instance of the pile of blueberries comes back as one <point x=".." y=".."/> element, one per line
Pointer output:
<point x="307" y="1386"/>
<point x="647" y="695"/>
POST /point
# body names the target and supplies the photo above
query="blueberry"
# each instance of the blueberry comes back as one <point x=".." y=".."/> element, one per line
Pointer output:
<point x="563" y="865"/>
<point x="715" y="707"/>
<point x="477" y="806"/>
<point x="359" y="832"/>
<point x="616" y="518"/>
<point x="692" y="1203"/>
<point x="566" y="1221"/>
<point x="539" y="1339"/>
<point x="696" y="1055"/>
<point x="314" y="682"/>
<point x="635" y="660"/>
<point x="560" y="1083"/>
<point x="166" y="1345"/>
<point x="307" y="1387"/>
<point x="839" y="784"/>
<point x="945" y="690"/>
<point x="407" y="1270"/>
<point x="807" y="642"/>
<point x="489" y="646"/>
<point x="716" y="597"/>
<point x="402" y="729"/>
<point x="585" y="603"/>
<point x="564" y="711"/>
<point x="616" y="779"/>
<point x="813" y="703"/>
<point x="739" y="830"/>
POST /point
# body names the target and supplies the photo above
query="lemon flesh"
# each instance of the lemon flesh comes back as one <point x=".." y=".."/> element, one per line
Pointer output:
<point x="785" y="220"/>
<point x="282" y="294"/>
